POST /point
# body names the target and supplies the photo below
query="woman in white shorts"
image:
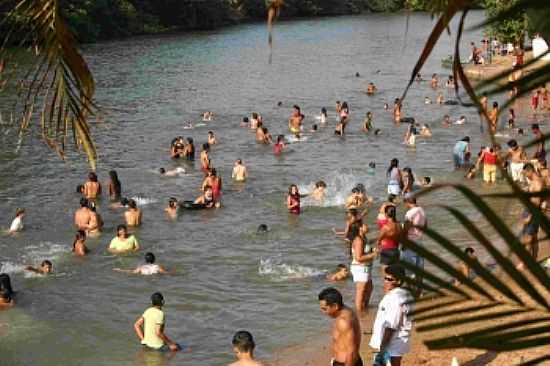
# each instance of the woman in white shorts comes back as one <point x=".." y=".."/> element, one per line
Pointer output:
<point x="361" y="266"/>
<point x="395" y="180"/>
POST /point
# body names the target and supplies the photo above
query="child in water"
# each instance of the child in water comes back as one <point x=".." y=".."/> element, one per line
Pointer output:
<point x="341" y="273"/>
<point x="318" y="194"/>
<point x="45" y="268"/>
<point x="323" y="117"/>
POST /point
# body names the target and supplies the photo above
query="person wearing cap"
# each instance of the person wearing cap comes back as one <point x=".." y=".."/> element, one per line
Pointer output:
<point x="392" y="327"/>
<point x="415" y="221"/>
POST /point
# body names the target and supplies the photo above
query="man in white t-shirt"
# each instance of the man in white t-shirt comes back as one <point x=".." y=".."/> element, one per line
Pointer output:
<point x="415" y="221"/>
<point x="392" y="327"/>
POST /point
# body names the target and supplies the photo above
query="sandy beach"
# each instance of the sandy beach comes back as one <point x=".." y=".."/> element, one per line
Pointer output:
<point x="316" y="351"/>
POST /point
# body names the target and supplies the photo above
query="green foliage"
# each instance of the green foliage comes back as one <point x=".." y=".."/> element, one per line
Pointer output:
<point x="507" y="30"/>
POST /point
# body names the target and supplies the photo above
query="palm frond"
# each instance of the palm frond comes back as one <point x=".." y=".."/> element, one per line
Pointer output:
<point x="60" y="86"/>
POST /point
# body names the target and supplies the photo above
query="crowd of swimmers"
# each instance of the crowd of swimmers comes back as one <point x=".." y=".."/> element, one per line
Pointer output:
<point x="390" y="338"/>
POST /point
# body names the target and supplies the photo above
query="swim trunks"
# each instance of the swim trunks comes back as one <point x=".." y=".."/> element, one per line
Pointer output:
<point x="389" y="256"/>
<point x="359" y="362"/>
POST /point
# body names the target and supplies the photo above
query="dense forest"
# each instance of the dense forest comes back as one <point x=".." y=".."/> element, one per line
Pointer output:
<point x="93" y="20"/>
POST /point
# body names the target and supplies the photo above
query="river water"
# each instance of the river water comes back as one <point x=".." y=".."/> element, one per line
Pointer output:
<point x="226" y="277"/>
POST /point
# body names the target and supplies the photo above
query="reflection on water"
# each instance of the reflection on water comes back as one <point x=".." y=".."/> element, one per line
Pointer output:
<point x="226" y="277"/>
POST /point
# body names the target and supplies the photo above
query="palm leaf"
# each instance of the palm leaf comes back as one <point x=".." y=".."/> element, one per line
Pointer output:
<point x="61" y="84"/>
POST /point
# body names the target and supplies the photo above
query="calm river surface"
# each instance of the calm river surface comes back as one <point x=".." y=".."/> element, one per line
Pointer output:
<point x="226" y="277"/>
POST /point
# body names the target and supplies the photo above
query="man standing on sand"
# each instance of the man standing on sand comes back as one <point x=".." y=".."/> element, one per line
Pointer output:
<point x="392" y="327"/>
<point x="415" y="221"/>
<point x="150" y="327"/>
<point x="82" y="216"/>
<point x="243" y="346"/>
<point x="346" y="331"/>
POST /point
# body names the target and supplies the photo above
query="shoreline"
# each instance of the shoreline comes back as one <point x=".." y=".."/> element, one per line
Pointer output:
<point x="315" y="351"/>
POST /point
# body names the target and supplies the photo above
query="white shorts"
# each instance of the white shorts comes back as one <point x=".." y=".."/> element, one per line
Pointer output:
<point x="360" y="273"/>
<point x="394" y="189"/>
<point x="515" y="171"/>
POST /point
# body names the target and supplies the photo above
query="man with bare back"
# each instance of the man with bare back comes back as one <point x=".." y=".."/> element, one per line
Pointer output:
<point x="346" y="331"/>
<point x="82" y="216"/>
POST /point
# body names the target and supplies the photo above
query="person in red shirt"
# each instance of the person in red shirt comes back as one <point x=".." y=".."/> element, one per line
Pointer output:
<point x="489" y="158"/>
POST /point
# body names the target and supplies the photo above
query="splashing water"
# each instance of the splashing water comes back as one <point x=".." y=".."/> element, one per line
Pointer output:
<point x="339" y="186"/>
<point x="141" y="201"/>
<point x="34" y="256"/>
<point x="277" y="271"/>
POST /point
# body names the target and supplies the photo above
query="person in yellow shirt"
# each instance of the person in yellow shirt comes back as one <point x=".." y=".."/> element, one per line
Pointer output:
<point x="150" y="327"/>
<point x="123" y="243"/>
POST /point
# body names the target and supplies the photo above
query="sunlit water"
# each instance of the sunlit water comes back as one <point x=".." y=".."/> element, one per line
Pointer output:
<point x="226" y="276"/>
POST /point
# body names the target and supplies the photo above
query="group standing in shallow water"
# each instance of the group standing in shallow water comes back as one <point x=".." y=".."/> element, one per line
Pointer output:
<point x="388" y="337"/>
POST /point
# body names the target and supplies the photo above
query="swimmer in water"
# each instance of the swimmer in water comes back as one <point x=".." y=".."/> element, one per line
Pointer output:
<point x="121" y="204"/>
<point x="425" y="131"/>
<point x="386" y="106"/>
<point x="446" y="121"/>
<point x="341" y="273"/>
<point x="177" y="148"/>
<point x="357" y="75"/>
<point x="147" y="269"/>
<point x="440" y="99"/>
<point x="323" y="117"/>
<point x="96" y="222"/>
<point x="267" y="139"/>
<point x="133" y="214"/>
<point x="262" y="229"/>
<point x="82" y="215"/>
<point x="172" y="172"/>
<point x="243" y="347"/>
<point x="368" y="124"/>
<point x="397" y="110"/>
<point x="426" y="182"/>
<point x="187" y="125"/>
<point x="295" y="120"/>
<point x="279" y="104"/>
<point x="205" y="159"/>
<point x="279" y="145"/>
<point x="79" y="244"/>
<point x="372" y="168"/>
<point x="371" y="88"/>
<point x="254" y="119"/>
<point x="46" y="267"/>
<point x="189" y="150"/>
<point x="207" y="199"/>
<point x="17" y="223"/>
<point x="245" y="122"/>
<point x="212" y="138"/>
<point x="318" y="194"/>
<point x="122" y="242"/>
<point x="172" y="209"/>
<point x="314" y="128"/>
<point x="293" y="200"/>
<point x="434" y="82"/>
<point x="92" y="188"/>
<point x="427" y="100"/>
<point x="6" y="299"/>
<point x="461" y="120"/>
<point x="240" y="173"/>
